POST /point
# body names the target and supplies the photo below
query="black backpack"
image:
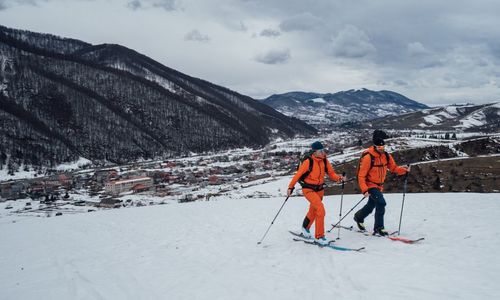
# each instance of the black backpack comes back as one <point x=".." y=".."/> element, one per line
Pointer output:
<point x="307" y="156"/>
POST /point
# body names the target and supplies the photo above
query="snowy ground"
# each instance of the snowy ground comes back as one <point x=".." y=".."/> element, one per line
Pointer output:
<point x="208" y="250"/>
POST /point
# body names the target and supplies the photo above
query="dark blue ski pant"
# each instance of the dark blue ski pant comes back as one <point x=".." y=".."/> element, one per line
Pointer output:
<point x="377" y="202"/>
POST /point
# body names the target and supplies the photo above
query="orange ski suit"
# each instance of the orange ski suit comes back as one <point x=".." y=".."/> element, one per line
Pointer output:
<point x="316" y="211"/>
<point x="373" y="176"/>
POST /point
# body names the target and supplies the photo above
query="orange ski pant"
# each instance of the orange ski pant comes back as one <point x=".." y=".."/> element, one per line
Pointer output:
<point x="316" y="213"/>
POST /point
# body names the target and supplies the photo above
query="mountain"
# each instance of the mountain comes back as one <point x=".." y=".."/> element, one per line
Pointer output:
<point x="61" y="99"/>
<point x="468" y="117"/>
<point x="324" y="110"/>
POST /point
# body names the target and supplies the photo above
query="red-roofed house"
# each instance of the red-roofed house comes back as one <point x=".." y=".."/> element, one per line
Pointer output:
<point x="140" y="188"/>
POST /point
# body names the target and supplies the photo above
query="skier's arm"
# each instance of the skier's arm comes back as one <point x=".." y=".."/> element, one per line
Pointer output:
<point x="304" y="166"/>
<point x="394" y="168"/>
<point x="331" y="172"/>
<point x="364" y="167"/>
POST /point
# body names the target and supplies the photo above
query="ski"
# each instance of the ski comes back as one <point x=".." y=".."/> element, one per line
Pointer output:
<point x="390" y="236"/>
<point x="405" y="240"/>
<point x="311" y="242"/>
<point x="300" y="238"/>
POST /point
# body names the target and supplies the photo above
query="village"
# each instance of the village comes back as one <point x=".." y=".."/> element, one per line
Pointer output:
<point x="185" y="179"/>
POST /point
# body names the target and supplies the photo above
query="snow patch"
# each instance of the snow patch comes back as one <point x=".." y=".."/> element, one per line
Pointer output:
<point x="80" y="163"/>
<point x="317" y="100"/>
<point x="432" y="119"/>
<point x="3" y="88"/>
<point x="474" y="120"/>
<point x="5" y="176"/>
<point x="452" y="110"/>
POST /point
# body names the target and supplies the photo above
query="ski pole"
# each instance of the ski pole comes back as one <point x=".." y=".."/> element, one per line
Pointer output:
<point x="259" y="242"/>
<point x="333" y="226"/>
<point x="341" y="200"/>
<point x="403" y="203"/>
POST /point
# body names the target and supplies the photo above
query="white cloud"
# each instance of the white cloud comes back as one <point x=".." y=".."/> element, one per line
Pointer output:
<point x="417" y="49"/>
<point x="168" y="5"/>
<point x="274" y="57"/>
<point x="196" y="36"/>
<point x="136" y="4"/>
<point x="270" y="33"/>
<point x="351" y="42"/>
<point x="301" y="22"/>
<point x="5" y="4"/>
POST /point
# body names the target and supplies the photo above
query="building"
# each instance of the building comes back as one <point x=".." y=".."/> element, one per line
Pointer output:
<point x="138" y="188"/>
<point x="105" y="174"/>
<point x="64" y="180"/>
<point x="213" y="180"/>
<point x="11" y="190"/>
<point x="120" y="186"/>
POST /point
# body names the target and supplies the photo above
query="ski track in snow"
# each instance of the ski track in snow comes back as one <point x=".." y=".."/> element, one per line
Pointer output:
<point x="208" y="250"/>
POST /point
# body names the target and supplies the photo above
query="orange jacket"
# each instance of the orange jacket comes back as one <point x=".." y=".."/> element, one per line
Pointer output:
<point x="375" y="177"/>
<point x="317" y="175"/>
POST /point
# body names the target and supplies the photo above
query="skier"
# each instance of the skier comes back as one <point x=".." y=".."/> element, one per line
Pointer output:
<point x="310" y="176"/>
<point x="373" y="167"/>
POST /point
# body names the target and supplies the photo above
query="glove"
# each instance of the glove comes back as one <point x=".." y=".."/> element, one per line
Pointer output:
<point x="290" y="191"/>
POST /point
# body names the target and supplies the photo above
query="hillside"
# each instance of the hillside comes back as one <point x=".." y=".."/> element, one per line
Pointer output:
<point x="62" y="99"/>
<point x="193" y="251"/>
<point x="325" y="110"/>
<point x="469" y="117"/>
<point x="468" y="165"/>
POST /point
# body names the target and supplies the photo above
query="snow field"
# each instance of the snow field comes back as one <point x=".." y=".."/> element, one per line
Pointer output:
<point x="208" y="250"/>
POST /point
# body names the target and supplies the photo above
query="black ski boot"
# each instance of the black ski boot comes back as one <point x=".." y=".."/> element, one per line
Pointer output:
<point x="380" y="231"/>
<point x="359" y="223"/>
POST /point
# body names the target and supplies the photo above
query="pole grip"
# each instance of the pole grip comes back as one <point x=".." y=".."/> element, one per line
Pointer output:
<point x="405" y="177"/>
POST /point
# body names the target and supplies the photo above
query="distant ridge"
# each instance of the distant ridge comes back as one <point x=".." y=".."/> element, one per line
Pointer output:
<point x="324" y="110"/>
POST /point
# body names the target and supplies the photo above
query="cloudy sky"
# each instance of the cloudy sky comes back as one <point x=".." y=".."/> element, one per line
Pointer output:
<point x="435" y="52"/>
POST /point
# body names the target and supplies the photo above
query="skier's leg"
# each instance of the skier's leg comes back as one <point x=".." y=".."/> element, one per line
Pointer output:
<point x="317" y="211"/>
<point x="380" y="203"/>
<point x="361" y="214"/>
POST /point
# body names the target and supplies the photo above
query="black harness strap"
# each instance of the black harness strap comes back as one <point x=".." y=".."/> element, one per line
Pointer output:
<point x="372" y="163"/>
<point x="304" y="176"/>
<point x="313" y="187"/>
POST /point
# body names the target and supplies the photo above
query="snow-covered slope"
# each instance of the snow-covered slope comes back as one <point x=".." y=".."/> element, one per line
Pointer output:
<point x="208" y="250"/>
<point x="468" y="117"/>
